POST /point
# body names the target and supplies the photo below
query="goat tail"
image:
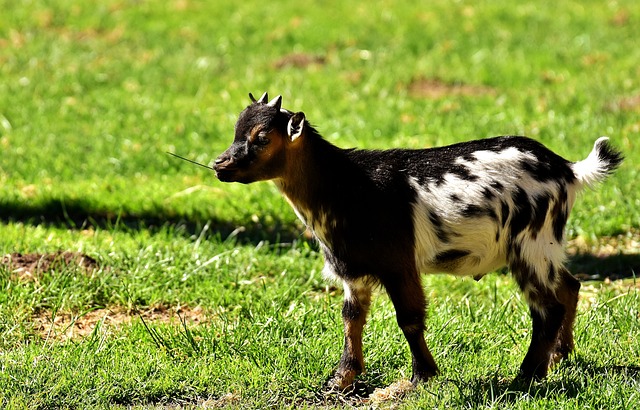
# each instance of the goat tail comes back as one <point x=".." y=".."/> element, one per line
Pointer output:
<point x="603" y="160"/>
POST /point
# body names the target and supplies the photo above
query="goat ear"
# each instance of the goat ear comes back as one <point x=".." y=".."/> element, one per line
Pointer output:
<point x="295" y="128"/>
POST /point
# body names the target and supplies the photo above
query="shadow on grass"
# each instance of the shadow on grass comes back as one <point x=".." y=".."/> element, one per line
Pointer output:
<point x="356" y="395"/>
<point x="82" y="214"/>
<point x="353" y="396"/>
<point x="576" y="376"/>
<point x="586" y="266"/>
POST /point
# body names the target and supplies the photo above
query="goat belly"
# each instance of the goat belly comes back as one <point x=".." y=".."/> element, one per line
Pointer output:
<point x="367" y="233"/>
<point x="357" y="247"/>
<point x="449" y="243"/>
<point x="472" y="251"/>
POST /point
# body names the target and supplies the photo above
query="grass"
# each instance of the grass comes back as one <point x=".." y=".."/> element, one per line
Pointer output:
<point x="209" y="295"/>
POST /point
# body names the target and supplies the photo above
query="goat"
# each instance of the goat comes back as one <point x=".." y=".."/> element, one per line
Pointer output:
<point x="382" y="217"/>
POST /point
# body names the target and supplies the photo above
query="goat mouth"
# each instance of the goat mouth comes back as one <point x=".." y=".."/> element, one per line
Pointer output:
<point x="226" y="174"/>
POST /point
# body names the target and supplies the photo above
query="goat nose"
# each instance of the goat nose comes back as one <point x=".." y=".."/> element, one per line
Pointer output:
<point x="222" y="159"/>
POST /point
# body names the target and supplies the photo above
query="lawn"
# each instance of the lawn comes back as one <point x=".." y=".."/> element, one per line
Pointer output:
<point x="131" y="279"/>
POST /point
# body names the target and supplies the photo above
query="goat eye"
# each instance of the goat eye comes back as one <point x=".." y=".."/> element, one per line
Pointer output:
<point x="262" y="140"/>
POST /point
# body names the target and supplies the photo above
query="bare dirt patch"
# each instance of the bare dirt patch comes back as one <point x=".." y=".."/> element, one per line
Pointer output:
<point x="299" y="60"/>
<point x="31" y="266"/>
<point x="621" y="18"/>
<point x="435" y="88"/>
<point x="631" y="103"/>
<point x="66" y="326"/>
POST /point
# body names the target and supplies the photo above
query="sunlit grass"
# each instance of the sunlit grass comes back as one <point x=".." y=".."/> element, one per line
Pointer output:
<point x="92" y="96"/>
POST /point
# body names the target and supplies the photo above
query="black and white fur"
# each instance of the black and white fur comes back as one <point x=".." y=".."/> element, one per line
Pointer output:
<point x="385" y="216"/>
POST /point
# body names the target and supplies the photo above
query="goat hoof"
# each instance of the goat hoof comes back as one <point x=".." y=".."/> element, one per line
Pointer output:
<point x="536" y="373"/>
<point x="561" y="353"/>
<point x="557" y="357"/>
<point x="422" y="377"/>
<point x="340" y="381"/>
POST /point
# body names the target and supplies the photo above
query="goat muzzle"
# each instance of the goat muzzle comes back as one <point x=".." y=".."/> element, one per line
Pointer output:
<point x="225" y="167"/>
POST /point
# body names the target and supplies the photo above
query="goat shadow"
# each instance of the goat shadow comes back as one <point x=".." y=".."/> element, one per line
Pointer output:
<point x="78" y="214"/>
<point x="82" y="214"/>
<point x="589" y="267"/>
<point x="575" y="375"/>
<point x="495" y="389"/>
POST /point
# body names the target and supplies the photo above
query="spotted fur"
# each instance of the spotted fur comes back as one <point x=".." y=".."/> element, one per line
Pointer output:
<point x="384" y="217"/>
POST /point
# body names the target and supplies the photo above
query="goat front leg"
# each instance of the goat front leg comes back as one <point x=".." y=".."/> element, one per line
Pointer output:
<point x="357" y="300"/>
<point x="408" y="298"/>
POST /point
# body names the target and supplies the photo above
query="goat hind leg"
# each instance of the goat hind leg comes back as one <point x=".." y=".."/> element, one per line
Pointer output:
<point x="546" y="321"/>
<point x="567" y="294"/>
<point x="547" y="316"/>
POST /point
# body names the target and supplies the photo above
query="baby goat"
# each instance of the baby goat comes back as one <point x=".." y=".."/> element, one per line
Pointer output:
<point x="383" y="217"/>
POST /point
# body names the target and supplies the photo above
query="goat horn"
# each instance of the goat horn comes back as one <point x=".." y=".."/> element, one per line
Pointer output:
<point x="263" y="99"/>
<point x="253" y="99"/>
<point x="276" y="102"/>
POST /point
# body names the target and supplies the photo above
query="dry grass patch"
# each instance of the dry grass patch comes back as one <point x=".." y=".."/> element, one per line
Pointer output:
<point x="627" y="243"/>
<point x="631" y="103"/>
<point x="435" y="88"/>
<point x="299" y="60"/>
<point x="68" y="326"/>
<point x="27" y="267"/>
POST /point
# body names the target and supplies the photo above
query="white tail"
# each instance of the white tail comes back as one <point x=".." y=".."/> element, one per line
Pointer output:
<point x="601" y="162"/>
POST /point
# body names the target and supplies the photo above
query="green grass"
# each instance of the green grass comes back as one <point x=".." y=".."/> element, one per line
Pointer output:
<point x="93" y="95"/>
